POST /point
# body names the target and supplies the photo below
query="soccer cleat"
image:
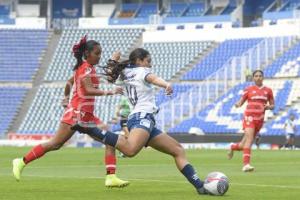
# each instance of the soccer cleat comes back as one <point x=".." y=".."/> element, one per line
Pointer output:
<point x="18" y="166"/>
<point x="248" y="168"/>
<point x="113" y="181"/>
<point x="121" y="155"/>
<point x="202" y="191"/>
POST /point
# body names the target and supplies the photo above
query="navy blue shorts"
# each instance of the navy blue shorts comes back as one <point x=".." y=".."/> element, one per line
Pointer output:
<point x="290" y="136"/>
<point x="145" y="121"/>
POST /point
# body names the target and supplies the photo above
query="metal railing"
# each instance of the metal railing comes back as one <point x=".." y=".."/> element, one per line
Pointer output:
<point x="233" y="72"/>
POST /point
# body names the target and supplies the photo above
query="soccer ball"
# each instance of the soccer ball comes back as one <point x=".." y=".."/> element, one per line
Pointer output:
<point x="216" y="183"/>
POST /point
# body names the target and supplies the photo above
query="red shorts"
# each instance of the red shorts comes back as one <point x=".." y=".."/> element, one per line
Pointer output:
<point x="72" y="116"/>
<point x="248" y="122"/>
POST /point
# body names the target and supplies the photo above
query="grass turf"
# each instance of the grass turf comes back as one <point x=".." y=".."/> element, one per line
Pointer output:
<point x="74" y="173"/>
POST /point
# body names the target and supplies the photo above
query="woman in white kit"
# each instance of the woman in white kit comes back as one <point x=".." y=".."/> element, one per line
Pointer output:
<point x="137" y="84"/>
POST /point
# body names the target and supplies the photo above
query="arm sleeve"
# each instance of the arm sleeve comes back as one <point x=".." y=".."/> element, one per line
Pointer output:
<point x="144" y="73"/>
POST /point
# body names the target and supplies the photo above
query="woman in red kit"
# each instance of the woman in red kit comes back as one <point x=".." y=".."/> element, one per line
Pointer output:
<point x="260" y="98"/>
<point x="81" y="108"/>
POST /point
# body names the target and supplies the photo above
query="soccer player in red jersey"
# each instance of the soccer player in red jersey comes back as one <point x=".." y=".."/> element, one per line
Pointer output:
<point x="260" y="98"/>
<point x="81" y="108"/>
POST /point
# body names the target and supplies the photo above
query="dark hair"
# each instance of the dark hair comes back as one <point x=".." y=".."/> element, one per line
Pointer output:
<point x="114" y="69"/>
<point x="258" y="70"/>
<point x="80" y="48"/>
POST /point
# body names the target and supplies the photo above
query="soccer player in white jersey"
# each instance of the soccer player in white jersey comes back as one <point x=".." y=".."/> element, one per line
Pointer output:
<point x="290" y="129"/>
<point x="138" y="80"/>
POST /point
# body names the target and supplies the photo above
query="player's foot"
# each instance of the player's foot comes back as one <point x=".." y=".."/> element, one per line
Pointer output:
<point x="18" y="166"/>
<point x="230" y="154"/>
<point x="202" y="191"/>
<point x="121" y="155"/>
<point x="113" y="181"/>
<point x="248" y="168"/>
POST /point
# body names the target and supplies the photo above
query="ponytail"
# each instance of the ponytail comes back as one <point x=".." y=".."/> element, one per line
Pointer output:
<point x="78" y="51"/>
<point x="113" y="70"/>
<point x="80" y="48"/>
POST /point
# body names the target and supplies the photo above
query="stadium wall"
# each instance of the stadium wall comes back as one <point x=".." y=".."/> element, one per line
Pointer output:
<point x="26" y="23"/>
<point x="219" y="34"/>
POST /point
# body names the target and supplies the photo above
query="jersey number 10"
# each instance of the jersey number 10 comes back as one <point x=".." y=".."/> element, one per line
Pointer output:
<point x="132" y="94"/>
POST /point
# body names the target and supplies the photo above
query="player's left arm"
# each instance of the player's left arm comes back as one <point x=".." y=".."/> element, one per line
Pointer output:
<point x="271" y="104"/>
<point x="156" y="80"/>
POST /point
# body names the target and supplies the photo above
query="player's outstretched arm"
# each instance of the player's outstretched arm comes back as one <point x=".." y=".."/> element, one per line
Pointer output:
<point x="91" y="91"/>
<point x="155" y="80"/>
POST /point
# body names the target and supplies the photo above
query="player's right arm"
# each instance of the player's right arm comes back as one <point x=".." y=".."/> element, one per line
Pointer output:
<point x="67" y="92"/>
<point x="242" y="99"/>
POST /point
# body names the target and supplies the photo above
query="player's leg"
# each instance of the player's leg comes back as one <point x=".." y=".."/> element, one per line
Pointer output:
<point x="63" y="134"/>
<point x="292" y="141"/>
<point x="166" y="144"/>
<point x="236" y="147"/>
<point x="257" y="140"/>
<point x="249" y="134"/>
<point x="111" y="179"/>
<point x="137" y="138"/>
<point x="123" y="123"/>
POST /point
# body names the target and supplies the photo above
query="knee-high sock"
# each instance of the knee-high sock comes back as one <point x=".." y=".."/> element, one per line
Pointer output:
<point x="191" y="175"/>
<point x="110" y="163"/>
<point x="35" y="153"/>
<point x="246" y="156"/>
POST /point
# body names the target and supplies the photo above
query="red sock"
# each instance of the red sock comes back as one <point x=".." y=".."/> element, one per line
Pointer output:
<point x="110" y="162"/>
<point x="35" y="153"/>
<point x="246" y="156"/>
<point x="235" y="147"/>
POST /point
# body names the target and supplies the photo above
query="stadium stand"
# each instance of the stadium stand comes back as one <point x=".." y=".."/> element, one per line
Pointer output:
<point x="10" y="101"/>
<point x="146" y="10"/>
<point x="286" y="65"/>
<point x="21" y="53"/>
<point x="216" y="59"/>
<point x="168" y="58"/>
<point x="110" y="40"/>
<point x="39" y="119"/>
<point x="223" y="117"/>
<point x="194" y="9"/>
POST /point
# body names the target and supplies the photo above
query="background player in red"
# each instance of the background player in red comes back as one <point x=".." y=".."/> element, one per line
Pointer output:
<point x="80" y="108"/>
<point x="260" y="98"/>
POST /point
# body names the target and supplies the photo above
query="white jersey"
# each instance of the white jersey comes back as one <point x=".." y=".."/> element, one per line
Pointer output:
<point x="139" y="92"/>
<point x="290" y="126"/>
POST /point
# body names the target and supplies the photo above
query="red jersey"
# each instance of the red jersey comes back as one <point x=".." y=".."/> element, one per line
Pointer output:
<point x="257" y="98"/>
<point x="80" y="101"/>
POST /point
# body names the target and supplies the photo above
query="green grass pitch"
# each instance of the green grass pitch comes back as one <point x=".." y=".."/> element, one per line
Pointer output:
<point x="75" y="173"/>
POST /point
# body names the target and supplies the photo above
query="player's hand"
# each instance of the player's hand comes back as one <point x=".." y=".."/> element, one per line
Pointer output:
<point x="118" y="90"/>
<point x="169" y="90"/>
<point x="65" y="101"/>
<point x="237" y="105"/>
<point x="116" y="56"/>
<point x="266" y="107"/>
